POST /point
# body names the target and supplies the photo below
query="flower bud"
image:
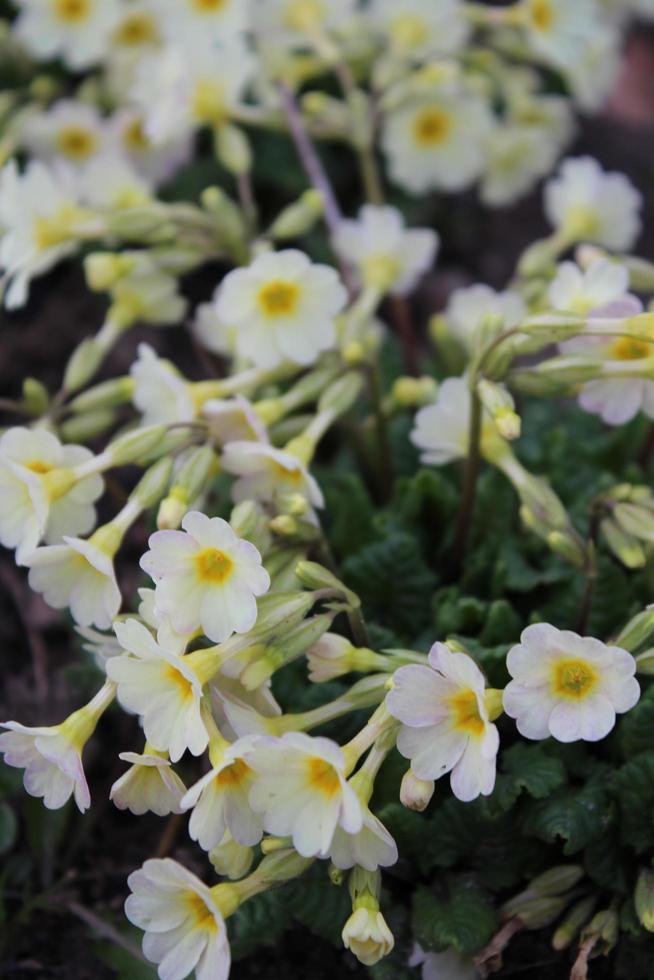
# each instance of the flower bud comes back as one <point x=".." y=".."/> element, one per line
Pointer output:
<point x="625" y="547"/>
<point x="315" y="576"/>
<point x="231" y="859"/>
<point x="499" y="404"/>
<point x="35" y="397"/>
<point x="107" y="394"/>
<point x="294" y="643"/>
<point x="293" y="529"/>
<point x="280" y="866"/>
<point x="557" y="880"/>
<point x="329" y="658"/>
<point x="573" y="923"/>
<point x="635" y="519"/>
<point x="637" y="631"/>
<point x="366" y="933"/>
<point x="645" y="662"/>
<point x="153" y="484"/>
<point x="414" y="392"/>
<point x="233" y="149"/>
<point x="416" y="794"/>
<point x="104" y="269"/>
<point x="81" y="428"/>
<point x="134" y="446"/>
<point x="298" y="218"/>
<point x="341" y="394"/>
<point x="83" y="364"/>
<point x="644" y="898"/>
<point x="535" y="913"/>
<point x="281" y="609"/>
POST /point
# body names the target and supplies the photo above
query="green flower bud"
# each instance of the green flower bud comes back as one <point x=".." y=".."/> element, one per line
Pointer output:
<point x="153" y="484"/>
<point x="83" y="364"/>
<point x="35" y="397"/>
<point x="644" y="898"/>
<point x="315" y="576"/>
<point x="81" y="428"/>
<point x="625" y="547"/>
<point x="557" y="880"/>
<point x="298" y="218"/>
<point x="637" y="631"/>
<point x="134" y="446"/>
<point x="233" y="149"/>
<point x="107" y="394"/>
<point x="573" y="923"/>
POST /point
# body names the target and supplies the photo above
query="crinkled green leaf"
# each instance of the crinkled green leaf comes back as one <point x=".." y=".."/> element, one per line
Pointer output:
<point x="463" y="918"/>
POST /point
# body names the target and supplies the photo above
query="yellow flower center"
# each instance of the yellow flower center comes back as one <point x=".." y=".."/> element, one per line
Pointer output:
<point x="381" y="270"/>
<point x="302" y="15"/>
<point x="630" y="349"/>
<point x="184" y="686"/>
<point x="134" y="136"/>
<point x="284" y="473"/>
<point x="76" y="142"/>
<point x="137" y="29"/>
<point x="209" y="101"/>
<point x="233" y="775"/>
<point x="213" y="565"/>
<point x="208" y="6"/>
<point x="200" y="913"/>
<point x="465" y="712"/>
<point x="542" y="15"/>
<point x="72" y="11"/>
<point x="574" y="679"/>
<point x="36" y="466"/>
<point x="581" y="222"/>
<point x="432" y="126"/>
<point x="322" y="776"/>
<point x="408" y="31"/>
<point x="55" y="230"/>
<point x="130" y="197"/>
<point x="278" y="298"/>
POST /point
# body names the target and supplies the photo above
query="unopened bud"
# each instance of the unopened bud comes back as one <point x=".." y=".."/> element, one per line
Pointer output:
<point x="535" y="913"/>
<point x="233" y="149"/>
<point x="341" y="394"/>
<point x="315" y="576"/>
<point x="107" y="394"/>
<point x="644" y="898"/>
<point x="104" y="269"/>
<point x="293" y="529"/>
<point x="81" y="428"/>
<point x="35" y="397"/>
<point x="277" y="609"/>
<point x="604" y="927"/>
<point x="573" y="923"/>
<point x="557" y="880"/>
<point x="568" y="546"/>
<point x="645" y="663"/>
<point x="637" y="631"/>
<point x="135" y="446"/>
<point x="153" y="484"/>
<point x="414" y="392"/>
<point x="499" y="404"/>
<point x="83" y="364"/>
<point x="231" y="859"/>
<point x="298" y="218"/>
<point x="416" y="794"/>
<point x="625" y="547"/>
<point x="635" y="519"/>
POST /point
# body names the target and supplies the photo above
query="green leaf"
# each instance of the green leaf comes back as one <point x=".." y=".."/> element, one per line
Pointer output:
<point x="575" y="816"/>
<point x="261" y="921"/>
<point x="634" y="785"/>
<point x="529" y="768"/>
<point x="636" y="729"/>
<point x="318" y="904"/>
<point x="463" y="918"/>
<point x="349" y="510"/>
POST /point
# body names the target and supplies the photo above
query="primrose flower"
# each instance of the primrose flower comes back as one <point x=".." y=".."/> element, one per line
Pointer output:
<point x="161" y="393"/>
<point x="448" y="965"/>
<point x="206" y="576"/>
<point x="234" y="420"/>
<point x="593" y="73"/>
<point x="52" y="757"/>
<point x="568" y="686"/>
<point x="371" y="848"/>
<point x="156" y="162"/>
<point x="212" y="332"/>
<point x="202" y="18"/>
<point x="69" y="130"/>
<point x="442" y="429"/>
<point x="184" y="929"/>
<point x="282" y="307"/>
<point x="266" y="473"/>
<point x="366" y="934"/>
<point x="301" y="791"/>
<point x="445" y="722"/>
<point x="78" y="575"/>
<point x="161" y="687"/>
<point x="385" y="253"/>
<point x="437" y="142"/>
<point x="469" y="306"/>
<point x="40" y="495"/>
<point x="288" y="23"/>
<point x="78" y="31"/>
<point x="593" y="291"/>
<point x="191" y="83"/>
<point x="517" y="155"/>
<point x="557" y="30"/>
<point x="138" y="28"/>
<point x="420" y="28"/>
<point x="149" y="785"/>
<point x="39" y="216"/>
<point x="111" y="182"/>
<point x="220" y="800"/>
<point x="585" y="203"/>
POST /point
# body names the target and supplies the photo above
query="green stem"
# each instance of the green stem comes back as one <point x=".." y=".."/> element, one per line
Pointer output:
<point x="466" y="508"/>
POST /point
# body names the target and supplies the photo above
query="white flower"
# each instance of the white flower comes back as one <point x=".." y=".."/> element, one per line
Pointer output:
<point x="557" y="30"/>
<point x="288" y="23"/>
<point x="184" y="929"/>
<point x="52" y="757"/>
<point x="586" y="203"/>
<point x="212" y="332"/>
<point x="190" y="84"/>
<point x="161" y="687"/>
<point x="301" y="791"/>
<point x="101" y="646"/>
<point x="69" y="130"/>
<point x="445" y="725"/>
<point x="437" y="142"/>
<point x="39" y="496"/>
<point x="384" y="252"/>
<point x="149" y="785"/>
<point x="442" y="429"/>
<point x="205" y="575"/>
<point x="517" y="155"/>
<point x="367" y="935"/>
<point x="567" y="686"/>
<point x="157" y="162"/>
<point x="78" y="31"/>
<point x="467" y="307"/>
<point x="160" y="393"/>
<point x="234" y="420"/>
<point x="448" y="965"/>
<point x="220" y="800"/>
<point x="167" y="637"/>
<point x="39" y="213"/>
<point x="601" y="291"/>
<point x="112" y="182"/>
<point x="419" y="28"/>
<point x="329" y="657"/>
<point x="204" y="18"/>
<point x="592" y="75"/>
<point x="266" y="473"/>
<point x="78" y="575"/>
<point x="371" y="848"/>
<point x="283" y="308"/>
<point x="138" y="28"/>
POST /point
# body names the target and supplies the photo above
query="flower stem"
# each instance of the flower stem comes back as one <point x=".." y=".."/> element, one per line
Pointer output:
<point x="466" y="508"/>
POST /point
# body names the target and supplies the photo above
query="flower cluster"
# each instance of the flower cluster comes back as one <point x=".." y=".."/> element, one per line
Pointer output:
<point x="240" y="582"/>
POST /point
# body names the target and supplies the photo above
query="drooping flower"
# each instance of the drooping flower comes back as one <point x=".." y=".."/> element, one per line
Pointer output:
<point x="206" y="576"/>
<point x="385" y="253"/>
<point x="164" y="689"/>
<point x="568" y="686"/>
<point x="445" y="722"/>
<point x="184" y="930"/>
<point x="468" y="306"/>
<point x="266" y="473"/>
<point x="587" y="204"/>
<point x="437" y="142"/>
<point x="371" y="848"/>
<point x="301" y="791"/>
<point x="442" y="429"/>
<point x="149" y="785"/>
<point x="161" y="394"/>
<point x="40" y="496"/>
<point x="282" y="307"/>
